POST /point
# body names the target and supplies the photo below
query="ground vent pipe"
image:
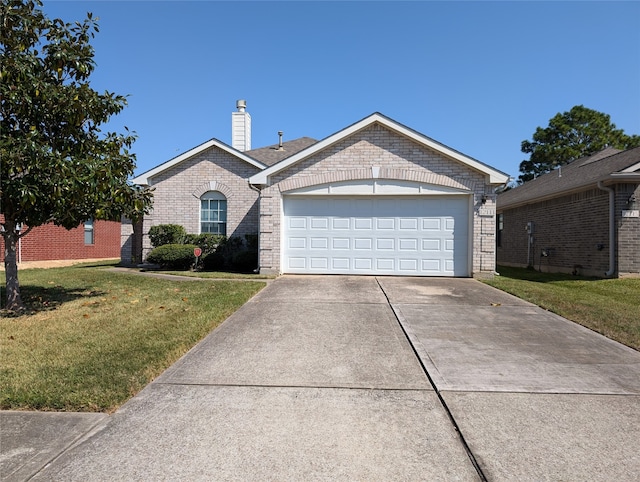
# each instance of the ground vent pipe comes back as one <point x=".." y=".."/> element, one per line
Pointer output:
<point x="612" y="226"/>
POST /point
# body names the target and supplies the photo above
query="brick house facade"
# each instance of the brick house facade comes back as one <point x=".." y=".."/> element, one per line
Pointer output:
<point x="376" y="161"/>
<point x="50" y="242"/>
<point x="569" y="209"/>
<point x="212" y="167"/>
<point x="397" y="158"/>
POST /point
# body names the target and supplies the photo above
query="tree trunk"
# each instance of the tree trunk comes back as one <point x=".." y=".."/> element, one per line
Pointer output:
<point x="14" y="301"/>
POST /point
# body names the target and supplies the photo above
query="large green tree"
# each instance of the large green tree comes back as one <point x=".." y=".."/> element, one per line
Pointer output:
<point x="571" y="135"/>
<point x="56" y="165"/>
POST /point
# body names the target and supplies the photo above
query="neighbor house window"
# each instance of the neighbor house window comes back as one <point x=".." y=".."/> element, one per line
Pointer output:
<point x="88" y="232"/>
<point x="499" y="228"/>
<point x="213" y="213"/>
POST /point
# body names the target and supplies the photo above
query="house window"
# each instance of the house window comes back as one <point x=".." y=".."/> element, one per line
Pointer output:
<point x="88" y="232"/>
<point x="213" y="213"/>
<point x="499" y="228"/>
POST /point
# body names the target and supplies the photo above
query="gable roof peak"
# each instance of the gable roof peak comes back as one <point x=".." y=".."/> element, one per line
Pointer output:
<point x="495" y="176"/>
<point x="143" y="179"/>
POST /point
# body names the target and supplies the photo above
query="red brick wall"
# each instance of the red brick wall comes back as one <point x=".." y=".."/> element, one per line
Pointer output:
<point x="53" y="242"/>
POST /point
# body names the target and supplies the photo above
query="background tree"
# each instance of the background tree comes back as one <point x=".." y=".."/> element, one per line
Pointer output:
<point x="570" y="136"/>
<point x="55" y="163"/>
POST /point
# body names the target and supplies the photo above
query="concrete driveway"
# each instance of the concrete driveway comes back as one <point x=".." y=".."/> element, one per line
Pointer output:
<point x="363" y="378"/>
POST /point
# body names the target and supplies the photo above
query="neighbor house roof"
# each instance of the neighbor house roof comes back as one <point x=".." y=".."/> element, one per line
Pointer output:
<point x="609" y="166"/>
<point x="143" y="179"/>
<point x="270" y="155"/>
<point x="495" y="176"/>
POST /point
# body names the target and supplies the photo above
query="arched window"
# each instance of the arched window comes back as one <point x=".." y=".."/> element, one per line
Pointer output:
<point x="213" y="213"/>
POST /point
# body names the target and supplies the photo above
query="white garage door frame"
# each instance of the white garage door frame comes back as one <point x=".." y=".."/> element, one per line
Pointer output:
<point x="401" y="194"/>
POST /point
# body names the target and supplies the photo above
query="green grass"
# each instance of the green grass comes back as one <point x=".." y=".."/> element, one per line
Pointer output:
<point x="218" y="275"/>
<point x="91" y="339"/>
<point x="608" y="306"/>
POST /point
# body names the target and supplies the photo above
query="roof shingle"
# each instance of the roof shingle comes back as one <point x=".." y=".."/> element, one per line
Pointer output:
<point x="270" y="155"/>
<point x="578" y="174"/>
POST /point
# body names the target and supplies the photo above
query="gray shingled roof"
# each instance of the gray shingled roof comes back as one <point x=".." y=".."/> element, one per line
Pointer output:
<point x="581" y="173"/>
<point x="272" y="154"/>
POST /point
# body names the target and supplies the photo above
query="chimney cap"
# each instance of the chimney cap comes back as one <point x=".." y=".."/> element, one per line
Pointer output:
<point x="241" y="105"/>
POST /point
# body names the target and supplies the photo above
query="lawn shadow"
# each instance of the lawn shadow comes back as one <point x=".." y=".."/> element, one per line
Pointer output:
<point x="38" y="299"/>
<point x="528" y="274"/>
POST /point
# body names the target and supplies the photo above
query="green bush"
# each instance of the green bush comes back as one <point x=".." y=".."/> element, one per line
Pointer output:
<point x="166" y="234"/>
<point x="244" y="261"/>
<point x="233" y="254"/>
<point x="173" y="256"/>
<point x="207" y="242"/>
<point x="213" y="262"/>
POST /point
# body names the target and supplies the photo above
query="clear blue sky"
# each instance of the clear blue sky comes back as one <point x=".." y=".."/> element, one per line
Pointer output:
<point x="476" y="76"/>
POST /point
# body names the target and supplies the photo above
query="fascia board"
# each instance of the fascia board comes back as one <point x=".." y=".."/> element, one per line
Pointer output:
<point x="143" y="179"/>
<point x="495" y="176"/>
<point x="631" y="176"/>
<point x="606" y="180"/>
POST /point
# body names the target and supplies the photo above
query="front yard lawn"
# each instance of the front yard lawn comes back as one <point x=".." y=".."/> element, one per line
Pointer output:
<point x="608" y="306"/>
<point x="92" y="338"/>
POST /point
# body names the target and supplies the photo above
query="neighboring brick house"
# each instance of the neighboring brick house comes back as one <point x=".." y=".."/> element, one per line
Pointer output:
<point x="91" y="240"/>
<point x="581" y="218"/>
<point x="373" y="198"/>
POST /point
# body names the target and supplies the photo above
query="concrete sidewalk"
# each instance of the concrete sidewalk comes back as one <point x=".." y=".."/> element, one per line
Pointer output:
<point x="315" y="379"/>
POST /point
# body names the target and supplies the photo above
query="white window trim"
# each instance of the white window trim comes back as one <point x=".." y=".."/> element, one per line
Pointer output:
<point x="215" y="196"/>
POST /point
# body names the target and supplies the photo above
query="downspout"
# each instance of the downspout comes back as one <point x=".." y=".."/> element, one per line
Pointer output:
<point x="612" y="226"/>
<point x="259" y="191"/>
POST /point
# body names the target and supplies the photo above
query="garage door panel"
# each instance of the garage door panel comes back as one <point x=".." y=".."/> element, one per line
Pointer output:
<point x="431" y="245"/>
<point x="431" y="266"/>
<point x="385" y="264"/>
<point x="405" y="265"/>
<point x="408" y="224"/>
<point x="432" y="224"/>
<point x="363" y="264"/>
<point x="319" y="243"/>
<point x="363" y="243"/>
<point x="385" y="244"/>
<point x="340" y="223"/>
<point x="405" y="244"/>
<point x="319" y="263"/>
<point x="318" y="223"/>
<point x="297" y="243"/>
<point x="297" y="263"/>
<point x="297" y="223"/>
<point x="341" y="243"/>
<point x="386" y="223"/>
<point x="341" y="264"/>
<point x="416" y="236"/>
<point x="362" y="223"/>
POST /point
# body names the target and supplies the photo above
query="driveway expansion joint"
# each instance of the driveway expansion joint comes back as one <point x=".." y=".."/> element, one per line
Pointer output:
<point x="453" y="421"/>
<point x="297" y="387"/>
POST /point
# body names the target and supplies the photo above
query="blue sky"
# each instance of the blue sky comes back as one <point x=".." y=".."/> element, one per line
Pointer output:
<point x="477" y="76"/>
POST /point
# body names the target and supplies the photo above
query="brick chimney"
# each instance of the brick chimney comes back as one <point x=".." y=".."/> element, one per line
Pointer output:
<point x="241" y="127"/>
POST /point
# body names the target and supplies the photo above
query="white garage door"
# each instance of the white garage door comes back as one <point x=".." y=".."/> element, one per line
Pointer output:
<point x="408" y="235"/>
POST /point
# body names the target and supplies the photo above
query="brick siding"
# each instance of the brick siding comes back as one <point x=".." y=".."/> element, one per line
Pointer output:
<point x="628" y="230"/>
<point x="398" y="158"/>
<point x="50" y="242"/>
<point x="574" y="231"/>
<point x="178" y="190"/>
